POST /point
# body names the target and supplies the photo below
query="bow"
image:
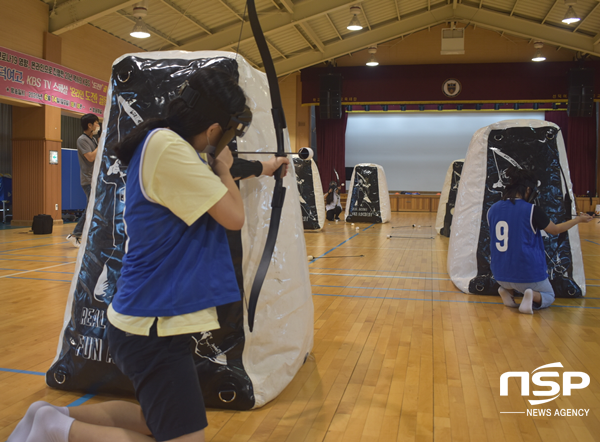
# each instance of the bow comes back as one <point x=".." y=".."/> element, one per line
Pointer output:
<point x="279" y="190"/>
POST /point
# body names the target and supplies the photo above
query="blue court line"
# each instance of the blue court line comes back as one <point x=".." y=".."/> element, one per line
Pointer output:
<point x="331" y="250"/>
<point x="593" y="242"/>
<point x="37" y="279"/>
<point x="75" y="403"/>
<point x="81" y="400"/>
<point x="440" y="300"/>
<point x="11" y="370"/>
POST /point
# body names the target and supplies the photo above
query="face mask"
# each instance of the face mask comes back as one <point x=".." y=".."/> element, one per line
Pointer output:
<point x="96" y="131"/>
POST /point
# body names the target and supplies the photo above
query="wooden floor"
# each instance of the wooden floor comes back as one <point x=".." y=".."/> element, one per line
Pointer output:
<point x="399" y="353"/>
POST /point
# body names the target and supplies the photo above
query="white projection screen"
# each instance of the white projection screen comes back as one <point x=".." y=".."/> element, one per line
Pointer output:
<point x="415" y="149"/>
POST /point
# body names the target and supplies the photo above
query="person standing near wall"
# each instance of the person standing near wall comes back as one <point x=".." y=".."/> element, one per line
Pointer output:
<point x="87" y="147"/>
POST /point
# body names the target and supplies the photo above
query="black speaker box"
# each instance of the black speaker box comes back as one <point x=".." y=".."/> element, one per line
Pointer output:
<point x="330" y="97"/>
<point x="581" y="92"/>
<point x="42" y="224"/>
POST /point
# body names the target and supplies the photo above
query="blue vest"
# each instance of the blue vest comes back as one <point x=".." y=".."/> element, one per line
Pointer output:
<point x="170" y="268"/>
<point x="517" y="249"/>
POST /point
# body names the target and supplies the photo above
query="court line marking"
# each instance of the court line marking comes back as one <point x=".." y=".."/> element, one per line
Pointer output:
<point x="12" y="370"/>
<point x="396" y="289"/>
<point x="443" y="300"/>
<point x="593" y="242"/>
<point x="39" y="279"/>
<point x="30" y="271"/>
<point x="331" y="250"/>
<point x="27" y="260"/>
<point x="381" y="276"/>
<point x="41" y="271"/>
<point x="410" y="290"/>
<point x="367" y="270"/>
<point x="35" y="247"/>
<point x="75" y="403"/>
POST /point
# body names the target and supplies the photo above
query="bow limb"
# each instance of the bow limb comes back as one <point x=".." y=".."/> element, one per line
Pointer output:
<point x="279" y="190"/>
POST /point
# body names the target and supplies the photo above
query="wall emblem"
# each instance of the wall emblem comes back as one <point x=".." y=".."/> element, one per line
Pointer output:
<point x="451" y="88"/>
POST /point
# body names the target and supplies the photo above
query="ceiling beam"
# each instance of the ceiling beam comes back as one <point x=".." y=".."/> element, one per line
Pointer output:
<point x="230" y="9"/>
<point x="586" y="17"/>
<point x="287" y="4"/>
<point x="514" y="7"/>
<point x="333" y="26"/>
<point x="303" y="11"/>
<point x="176" y="8"/>
<point x="528" y="29"/>
<point x="549" y="11"/>
<point x="311" y="34"/>
<point x="82" y="12"/>
<point x="481" y="17"/>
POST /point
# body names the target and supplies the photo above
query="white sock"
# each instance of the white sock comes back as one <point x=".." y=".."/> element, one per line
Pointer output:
<point x="507" y="298"/>
<point x="21" y="431"/>
<point x="50" y="425"/>
<point x="527" y="302"/>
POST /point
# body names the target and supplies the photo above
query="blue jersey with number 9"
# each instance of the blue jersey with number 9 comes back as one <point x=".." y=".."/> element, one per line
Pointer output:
<point x="517" y="247"/>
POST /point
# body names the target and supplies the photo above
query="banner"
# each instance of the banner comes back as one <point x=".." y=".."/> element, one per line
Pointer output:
<point x="32" y="79"/>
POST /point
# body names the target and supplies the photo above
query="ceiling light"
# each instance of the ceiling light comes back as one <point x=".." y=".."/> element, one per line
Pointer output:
<point x="140" y="30"/>
<point x="355" y="22"/>
<point x="538" y="56"/>
<point x="372" y="61"/>
<point x="571" y="15"/>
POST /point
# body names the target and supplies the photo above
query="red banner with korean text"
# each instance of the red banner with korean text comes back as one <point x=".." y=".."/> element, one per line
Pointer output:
<point x="33" y="79"/>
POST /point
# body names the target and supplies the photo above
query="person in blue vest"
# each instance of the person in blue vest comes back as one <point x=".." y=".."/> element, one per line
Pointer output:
<point x="518" y="258"/>
<point x="177" y="268"/>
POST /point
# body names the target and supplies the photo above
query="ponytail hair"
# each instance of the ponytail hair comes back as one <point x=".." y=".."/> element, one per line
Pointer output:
<point x="126" y="148"/>
<point x="216" y="85"/>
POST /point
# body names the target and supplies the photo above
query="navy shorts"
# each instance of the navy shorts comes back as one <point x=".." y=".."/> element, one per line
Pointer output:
<point x="165" y="379"/>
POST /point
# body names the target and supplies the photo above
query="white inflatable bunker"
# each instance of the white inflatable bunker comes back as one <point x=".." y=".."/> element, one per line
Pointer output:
<point x="538" y="146"/>
<point x="443" y="220"/>
<point x="368" y="197"/>
<point x="310" y="190"/>
<point x="237" y="369"/>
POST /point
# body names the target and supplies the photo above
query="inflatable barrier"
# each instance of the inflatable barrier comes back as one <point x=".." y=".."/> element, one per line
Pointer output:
<point x="368" y="196"/>
<point x="310" y="192"/>
<point x="443" y="220"/>
<point x="237" y="369"/>
<point x="538" y="146"/>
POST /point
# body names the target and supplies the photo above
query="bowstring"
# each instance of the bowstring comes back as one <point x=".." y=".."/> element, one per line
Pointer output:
<point x="237" y="50"/>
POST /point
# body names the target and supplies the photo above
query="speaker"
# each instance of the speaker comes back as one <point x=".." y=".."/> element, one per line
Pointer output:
<point x="581" y="92"/>
<point x="330" y="97"/>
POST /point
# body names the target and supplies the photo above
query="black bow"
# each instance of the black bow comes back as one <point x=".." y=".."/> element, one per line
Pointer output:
<point x="279" y="191"/>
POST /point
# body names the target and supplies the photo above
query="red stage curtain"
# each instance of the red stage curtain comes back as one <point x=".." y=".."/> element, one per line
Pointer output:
<point x="331" y="148"/>
<point x="579" y="134"/>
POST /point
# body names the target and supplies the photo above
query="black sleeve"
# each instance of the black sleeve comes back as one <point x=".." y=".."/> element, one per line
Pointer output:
<point x="243" y="168"/>
<point x="540" y="219"/>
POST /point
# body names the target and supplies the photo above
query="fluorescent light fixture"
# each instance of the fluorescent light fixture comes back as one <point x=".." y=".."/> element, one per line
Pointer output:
<point x="140" y="30"/>
<point x="354" y="24"/>
<point x="571" y="15"/>
<point x="538" y="56"/>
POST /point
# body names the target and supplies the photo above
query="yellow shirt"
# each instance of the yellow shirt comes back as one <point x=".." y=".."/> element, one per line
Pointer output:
<point x="173" y="176"/>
